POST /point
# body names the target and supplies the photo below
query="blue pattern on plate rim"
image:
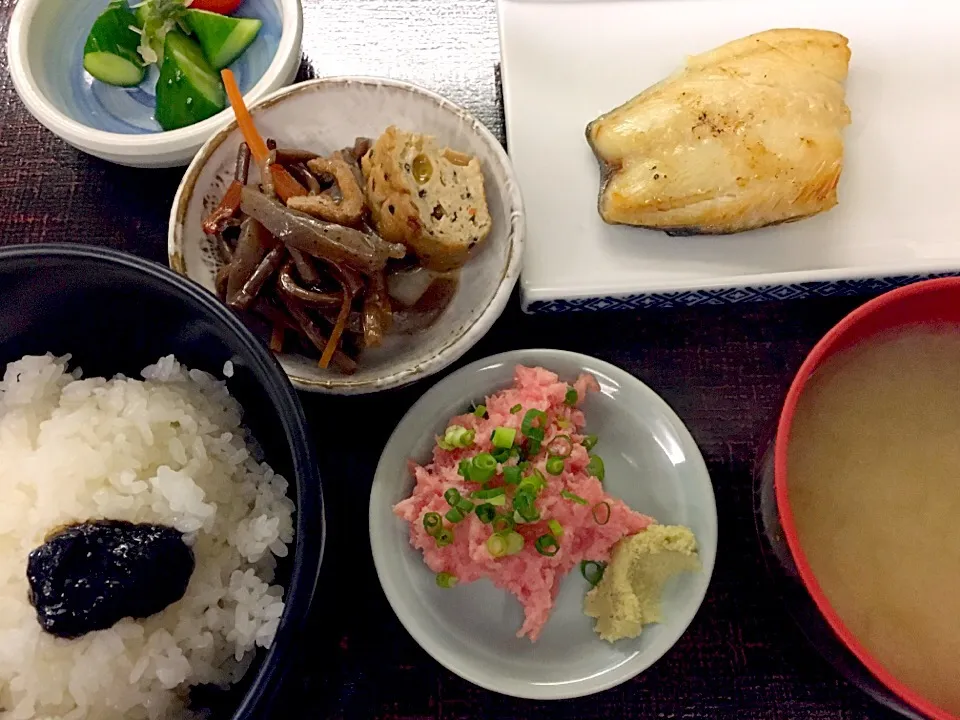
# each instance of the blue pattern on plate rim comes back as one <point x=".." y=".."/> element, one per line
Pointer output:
<point x="733" y="295"/>
<point x="130" y="110"/>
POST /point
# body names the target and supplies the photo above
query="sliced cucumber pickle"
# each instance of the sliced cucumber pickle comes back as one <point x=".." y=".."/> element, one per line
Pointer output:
<point x="223" y="38"/>
<point x="189" y="90"/>
<point x="110" y="53"/>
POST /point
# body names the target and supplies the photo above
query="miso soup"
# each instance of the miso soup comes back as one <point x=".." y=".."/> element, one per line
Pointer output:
<point x="874" y="484"/>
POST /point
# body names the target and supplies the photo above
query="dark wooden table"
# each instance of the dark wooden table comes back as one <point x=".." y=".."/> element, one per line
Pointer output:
<point x="723" y="369"/>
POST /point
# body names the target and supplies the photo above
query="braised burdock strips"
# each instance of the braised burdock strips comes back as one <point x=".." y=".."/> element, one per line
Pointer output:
<point x="304" y="254"/>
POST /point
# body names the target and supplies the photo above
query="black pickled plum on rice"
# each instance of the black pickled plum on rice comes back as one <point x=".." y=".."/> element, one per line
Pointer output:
<point x="89" y="576"/>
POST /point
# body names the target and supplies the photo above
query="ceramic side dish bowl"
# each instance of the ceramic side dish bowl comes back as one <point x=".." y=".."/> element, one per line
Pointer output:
<point x="45" y="57"/>
<point x="323" y="116"/>
<point x="115" y="313"/>
<point x="933" y="301"/>
<point x="652" y="464"/>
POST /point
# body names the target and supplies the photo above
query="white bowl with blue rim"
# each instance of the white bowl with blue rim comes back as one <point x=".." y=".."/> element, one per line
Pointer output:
<point x="652" y="463"/>
<point x="45" y="57"/>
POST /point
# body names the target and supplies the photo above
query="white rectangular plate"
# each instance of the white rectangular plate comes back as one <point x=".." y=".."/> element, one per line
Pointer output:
<point x="566" y="62"/>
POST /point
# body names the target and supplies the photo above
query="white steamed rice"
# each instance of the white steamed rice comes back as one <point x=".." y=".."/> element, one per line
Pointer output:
<point x="168" y="449"/>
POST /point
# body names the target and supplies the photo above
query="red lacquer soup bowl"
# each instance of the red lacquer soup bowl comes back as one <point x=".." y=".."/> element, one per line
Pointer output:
<point x="928" y="302"/>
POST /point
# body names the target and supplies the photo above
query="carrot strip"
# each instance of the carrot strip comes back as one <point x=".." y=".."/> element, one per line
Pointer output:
<point x="258" y="147"/>
<point x="337" y="330"/>
<point x="276" y="338"/>
<point x="284" y="184"/>
<point x="225" y="210"/>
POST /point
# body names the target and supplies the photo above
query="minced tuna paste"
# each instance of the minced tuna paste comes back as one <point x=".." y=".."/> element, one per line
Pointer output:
<point x="514" y="494"/>
<point x="628" y="595"/>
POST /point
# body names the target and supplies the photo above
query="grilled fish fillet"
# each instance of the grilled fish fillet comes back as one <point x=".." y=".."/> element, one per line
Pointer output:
<point x="746" y="135"/>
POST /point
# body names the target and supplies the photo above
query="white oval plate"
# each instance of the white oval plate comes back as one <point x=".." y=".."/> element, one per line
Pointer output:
<point x="652" y="463"/>
<point x="328" y="114"/>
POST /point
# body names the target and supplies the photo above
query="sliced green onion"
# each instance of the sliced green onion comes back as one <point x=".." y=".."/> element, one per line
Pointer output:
<point x="486" y="512"/>
<point x="456" y="436"/>
<point x="463" y="469"/>
<point x="534" y="440"/>
<point x="501" y="455"/>
<point x="601" y="512"/>
<point x="536" y="433"/>
<point x="498" y="501"/>
<point x="446" y="580"/>
<point x="480" y="411"/>
<point x="595" y="467"/>
<point x="503" y="523"/>
<point x="497" y="545"/>
<point x="444" y="537"/>
<point x="452" y="496"/>
<point x="514" y="452"/>
<point x="555" y="465"/>
<point x="454" y="515"/>
<point x="465" y="506"/>
<point x="525" y="465"/>
<point x="526" y="507"/>
<point x="526" y="494"/>
<point x="538" y="479"/>
<point x="589" y="442"/>
<point x="561" y="446"/>
<point x="516" y="408"/>
<point x="503" y="437"/>
<point x="531" y="485"/>
<point x="432" y="523"/>
<point x="489" y="493"/>
<point x="547" y="545"/>
<point x="564" y="424"/>
<point x="555" y="527"/>
<point x="483" y="467"/>
<point x="571" y="496"/>
<point x="571" y="397"/>
<point x="485" y="461"/>
<point x="592" y="571"/>
<point x="511" y="475"/>
<point x="514" y="542"/>
<point x="527" y="486"/>
<point x="532" y="415"/>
